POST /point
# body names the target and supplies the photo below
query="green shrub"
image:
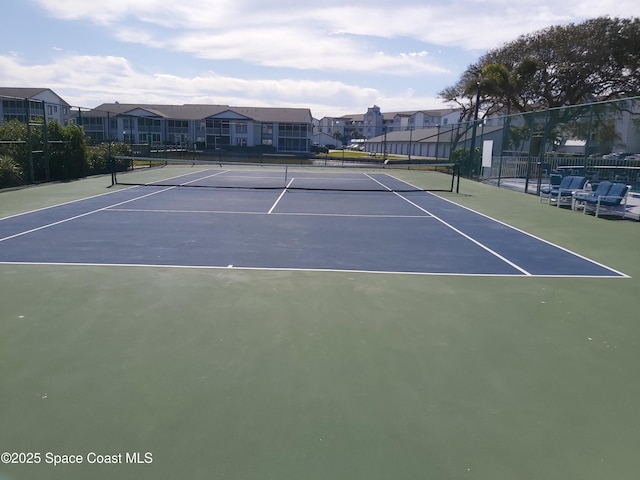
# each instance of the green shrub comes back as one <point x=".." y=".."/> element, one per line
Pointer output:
<point x="98" y="157"/>
<point x="11" y="174"/>
<point x="96" y="162"/>
<point x="468" y="166"/>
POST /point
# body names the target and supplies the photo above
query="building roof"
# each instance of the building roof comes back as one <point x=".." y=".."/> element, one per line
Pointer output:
<point x="389" y="116"/>
<point x="45" y="94"/>
<point x="200" y="112"/>
<point x="350" y="118"/>
<point x="18" y="92"/>
<point x="429" y="134"/>
<point x="439" y="112"/>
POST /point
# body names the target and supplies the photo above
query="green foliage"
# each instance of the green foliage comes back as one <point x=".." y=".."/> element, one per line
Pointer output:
<point x="14" y="131"/>
<point x="562" y="65"/>
<point x="562" y="71"/>
<point x="598" y="124"/>
<point x="98" y="157"/>
<point x="68" y="157"/>
<point x="518" y="137"/>
<point x="10" y="173"/>
<point x="468" y="166"/>
<point x="44" y="152"/>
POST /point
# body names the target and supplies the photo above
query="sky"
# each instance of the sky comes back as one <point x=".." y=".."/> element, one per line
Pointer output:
<point x="334" y="57"/>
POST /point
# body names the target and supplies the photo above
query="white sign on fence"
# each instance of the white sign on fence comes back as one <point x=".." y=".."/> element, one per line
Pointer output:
<point x="487" y="153"/>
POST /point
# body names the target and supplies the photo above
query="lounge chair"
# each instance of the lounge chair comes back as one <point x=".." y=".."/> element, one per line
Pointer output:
<point x="555" y="179"/>
<point x="564" y="193"/>
<point x="556" y="182"/>
<point x="614" y="202"/>
<point x="580" y="198"/>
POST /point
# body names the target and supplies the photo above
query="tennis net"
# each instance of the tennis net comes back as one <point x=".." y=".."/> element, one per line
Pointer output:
<point x="303" y="175"/>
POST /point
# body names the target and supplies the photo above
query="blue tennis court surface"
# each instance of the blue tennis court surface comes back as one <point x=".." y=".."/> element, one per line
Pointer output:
<point x="385" y="227"/>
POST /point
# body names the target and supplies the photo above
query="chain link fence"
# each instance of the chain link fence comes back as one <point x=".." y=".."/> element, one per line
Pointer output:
<point x="597" y="140"/>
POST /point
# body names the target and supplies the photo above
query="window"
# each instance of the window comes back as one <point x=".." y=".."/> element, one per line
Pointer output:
<point x="177" y="131"/>
<point x="293" y="137"/>
<point x="149" y="138"/>
<point x="177" y="125"/>
<point x="218" y="127"/>
<point x="267" y="134"/>
<point x="148" y="125"/>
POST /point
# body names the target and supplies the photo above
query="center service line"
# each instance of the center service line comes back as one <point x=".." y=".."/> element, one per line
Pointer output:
<point x="280" y="197"/>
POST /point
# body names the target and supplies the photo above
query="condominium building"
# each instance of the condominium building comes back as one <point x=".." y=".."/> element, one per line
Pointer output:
<point x="29" y="103"/>
<point x="374" y="123"/>
<point x="207" y="127"/>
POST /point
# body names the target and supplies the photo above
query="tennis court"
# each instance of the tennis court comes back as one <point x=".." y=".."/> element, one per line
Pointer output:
<point x="358" y="326"/>
<point x="307" y="220"/>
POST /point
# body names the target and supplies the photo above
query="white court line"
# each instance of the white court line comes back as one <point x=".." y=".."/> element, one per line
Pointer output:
<point x="312" y="270"/>
<point x="92" y="197"/>
<point x="75" y="217"/>
<point x="108" y="208"/>
<point x="151" y="184"/>
<point x="64" y="203"/>
<point x="535" y="237"/>
<point x="459" y="232"/>
<point x="280" y="196"/>
<point x="190" y="181"/>
<point x="232" y="212"/>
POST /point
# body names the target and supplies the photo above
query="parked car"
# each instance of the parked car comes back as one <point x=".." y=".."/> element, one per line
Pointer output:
<point x="616" y="156"/>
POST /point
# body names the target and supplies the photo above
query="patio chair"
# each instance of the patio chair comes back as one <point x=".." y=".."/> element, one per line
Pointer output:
<point x="613" y="203"/>
<point x="580" y="198"/>
<point x="555" y="179"/>
<point x="564" y="194"/>
<point x="556" y="182"/>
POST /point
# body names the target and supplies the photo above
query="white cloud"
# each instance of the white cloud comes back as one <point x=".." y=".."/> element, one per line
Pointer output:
<point x="90" y="80"/>
<point x="330" y="35"/>
<point x="256" y="45"/>
<point x="284" y="47"/>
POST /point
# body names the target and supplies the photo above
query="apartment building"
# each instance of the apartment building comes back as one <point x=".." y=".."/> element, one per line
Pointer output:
<point x="23" y="103"/>
<point x="208" y="127"/>
<point x="374" y="122"/>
